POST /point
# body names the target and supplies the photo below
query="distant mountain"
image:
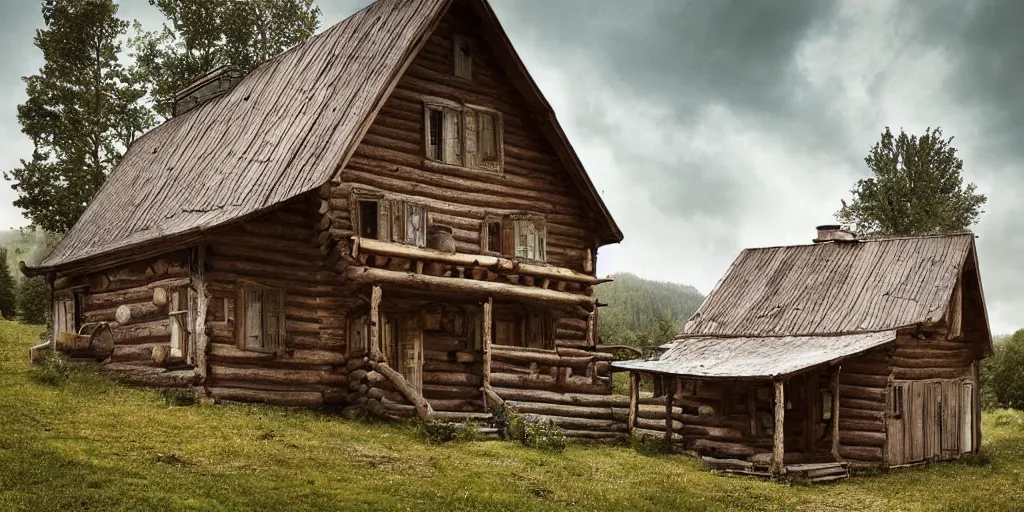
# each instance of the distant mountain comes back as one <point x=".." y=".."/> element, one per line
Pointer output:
<point x="641" y="312"/>
<point x="23" y="245"/>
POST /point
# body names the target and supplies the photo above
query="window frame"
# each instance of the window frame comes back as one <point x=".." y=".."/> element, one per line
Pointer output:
<point x="242" y="313"/>
<point x="458" y="40"/>
<point x="182" y="318"/>
<point x="389" y="209"/>
<point x="72" y="298"/>
<point x="540" y="237"/>
<point x="470" y="128"/>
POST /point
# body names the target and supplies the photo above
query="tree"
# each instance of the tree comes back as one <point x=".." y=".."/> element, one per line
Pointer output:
<point x="1002" y="374"/>
<point x="82" y="112"/>
<point x="917" y="189"/>
<point x="204" y="35"/>
<point x="34" y="300"/>
<point x="8" y="294"/>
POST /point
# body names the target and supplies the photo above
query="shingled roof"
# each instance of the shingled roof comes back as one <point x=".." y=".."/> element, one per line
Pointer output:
<point x="835" y="288"/>
<point x="281" y="132"/>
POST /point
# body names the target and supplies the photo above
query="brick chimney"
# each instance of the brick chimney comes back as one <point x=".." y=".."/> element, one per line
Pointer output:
<point x="214" y="84"/>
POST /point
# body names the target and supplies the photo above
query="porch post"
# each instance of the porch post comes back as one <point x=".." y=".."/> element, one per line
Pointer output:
<point x="780" y="413"/>
<point x="375" y="296"/>
<point x="634" y="398"/>
<point x="487" y="349"/>
<point x="835" y="414"/>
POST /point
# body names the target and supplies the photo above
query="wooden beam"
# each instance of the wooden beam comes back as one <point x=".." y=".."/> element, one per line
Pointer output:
<point x="669" y="392"/>
<point x="488" y="306"/>
<point x="375" y="296"/>
<point x="634" y="399"/>
<point x="778" y="448"/>
<point x="202" y="341"/>
<point x="499" y="264"/>
<point x="834" y="386"/>
<point x="752" y="409"/>
<point x="494" y="289"/>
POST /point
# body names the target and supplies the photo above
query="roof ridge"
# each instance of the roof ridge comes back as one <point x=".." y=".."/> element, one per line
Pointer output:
<point x="866" y="240"/>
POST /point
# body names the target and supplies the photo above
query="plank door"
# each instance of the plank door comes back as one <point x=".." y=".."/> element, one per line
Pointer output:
<point x="966" y="417"/>
<point x="410" y="352"/>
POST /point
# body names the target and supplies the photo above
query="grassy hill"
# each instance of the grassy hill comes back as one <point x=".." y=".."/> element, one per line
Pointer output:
<point x="642" y="312"/>
<point x="90" y="444"/>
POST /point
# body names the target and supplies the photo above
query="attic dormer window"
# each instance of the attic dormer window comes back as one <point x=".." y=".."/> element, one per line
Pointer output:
<point x="463" y="54"/>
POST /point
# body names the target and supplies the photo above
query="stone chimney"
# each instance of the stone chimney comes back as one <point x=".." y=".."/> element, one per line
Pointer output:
<point x="214" y="84"/>
<point x="834" y="233"/>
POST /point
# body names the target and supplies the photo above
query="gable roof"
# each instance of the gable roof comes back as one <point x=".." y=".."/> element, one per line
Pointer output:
<point x="835" y="288"/>
<point x="281" y="132"/>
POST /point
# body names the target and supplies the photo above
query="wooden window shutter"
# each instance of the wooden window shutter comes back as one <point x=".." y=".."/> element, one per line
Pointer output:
<point x="416" y="231"/>
<point x="452" y="137"/>
<point x="384" y="220"/>
<point x="508" y="238"/>
<point x="462" y="49"/>
<point x="488" y="147"/>
<point x="253" y="328"/>
<point x="398" y="221"/>
<point x="469" y="123"/>
<point x="542" y="242"/>
<point x="272" y="319"/>
<point x="433" y="134"/>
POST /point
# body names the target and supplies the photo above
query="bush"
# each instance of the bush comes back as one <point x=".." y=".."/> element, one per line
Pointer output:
<point x="534" y="432"/>
<point x="650" y="445"/>
<point x="52" y="368"/>
<point x="34" y="300"/>
<point x="1002" y="374"/>
<point x="436" y="432"/>
<point x="8" y="294"/>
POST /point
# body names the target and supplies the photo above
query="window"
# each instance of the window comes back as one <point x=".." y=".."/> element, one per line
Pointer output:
<point x="530" y="239"/>
<point x="463" y="135"/>
<point x="368" y="225"/>
<point x="497" y="236"/>
<point x="897" y="401"/>
<point x="260" y="322"/>
<point x="826" y="405"/>
<point x="182" y="313"/>
<point x="393" y="220"/>
<point x="530" y="329"/>
<point x="462" y="48"/>
<point x="65" y="314"/>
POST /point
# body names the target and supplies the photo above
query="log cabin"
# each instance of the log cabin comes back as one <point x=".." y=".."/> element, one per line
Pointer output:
<point x="864" y="352"/>
<point x="387" y="218"/>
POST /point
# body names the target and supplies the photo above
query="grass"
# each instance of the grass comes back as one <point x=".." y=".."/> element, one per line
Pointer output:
<point x="86" y="443"/>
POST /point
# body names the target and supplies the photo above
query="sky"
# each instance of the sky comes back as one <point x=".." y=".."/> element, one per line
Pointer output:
<point x="709" y="126"/>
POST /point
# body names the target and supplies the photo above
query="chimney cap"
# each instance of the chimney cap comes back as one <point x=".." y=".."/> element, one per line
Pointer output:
<point x="834" y="233"/>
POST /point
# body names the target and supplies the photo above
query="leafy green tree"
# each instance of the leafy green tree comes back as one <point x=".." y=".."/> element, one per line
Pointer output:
<point x="8" y="293"/>
<point x="1002" y="374"/>
<point x="203" y="35"/>
<point x="916" y="189"/>
<point x="34" y="300"/>
<point x="82" y="111"/>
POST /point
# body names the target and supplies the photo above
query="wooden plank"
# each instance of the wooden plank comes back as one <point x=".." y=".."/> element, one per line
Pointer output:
<point x="779" y="439"/>
<point x="634" y="395"/>
<point x="834" y="389"/>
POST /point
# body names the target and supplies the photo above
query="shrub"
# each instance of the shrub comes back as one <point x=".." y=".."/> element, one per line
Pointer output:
<point x="650" y="445"/>
<point x="180" y="397"/>
<point x="437" y="432"/>
<point x="34" y="300"/>
<point x="1002" y="374"/>
<point x="52" y="368"/>
<point x="535" y="432"/>
<point x="8" y="294"/>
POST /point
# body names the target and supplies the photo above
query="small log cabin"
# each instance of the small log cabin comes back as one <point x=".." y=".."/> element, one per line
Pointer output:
<point x="387" y="217"/>
<point x="861" y="351"/>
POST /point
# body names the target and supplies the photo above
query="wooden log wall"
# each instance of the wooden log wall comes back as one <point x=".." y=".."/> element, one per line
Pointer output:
<point x="452" y="373"/>
<point x="145" y="323"/>
<point x="391" y="157"/>
<point x="278" y="249"/>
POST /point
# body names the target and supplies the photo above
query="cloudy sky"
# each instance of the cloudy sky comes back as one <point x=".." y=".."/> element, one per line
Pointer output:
<point x="713" y="125"/>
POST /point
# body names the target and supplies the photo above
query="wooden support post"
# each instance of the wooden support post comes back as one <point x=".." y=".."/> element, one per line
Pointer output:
<point x="834" y="387"/>
<point x="375" y="296"/>
<point x="778" y="448"/>
<point x="752" y="409"/>
<point x="488" y="307"/>
<point x="634" y="399"/>
<point x="202" y="341"/>
<point x="670" y="389"/>
<point x="592" y="328"/>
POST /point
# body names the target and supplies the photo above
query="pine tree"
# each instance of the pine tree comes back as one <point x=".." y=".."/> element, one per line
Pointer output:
<point x="203" y="35"/>
<point x="82" y="112"/>
<point x="8" y="293"/>
<point x="34" y="300"/>
<point x="917" y="189"/>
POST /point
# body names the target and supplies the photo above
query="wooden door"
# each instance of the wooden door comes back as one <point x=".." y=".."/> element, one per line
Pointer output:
<point x="966" y="417"/>
<point x="410" y="352"/>
<point x="929" y="420"/>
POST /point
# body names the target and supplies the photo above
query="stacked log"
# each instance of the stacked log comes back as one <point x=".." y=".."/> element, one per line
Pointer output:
<point x="863" y="384"/>
<point x="452" y="373"/>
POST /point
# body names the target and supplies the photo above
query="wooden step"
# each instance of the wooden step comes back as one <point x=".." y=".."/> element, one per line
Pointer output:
<point x="459" y="416"/>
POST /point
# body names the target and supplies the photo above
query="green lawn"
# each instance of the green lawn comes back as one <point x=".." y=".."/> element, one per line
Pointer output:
<point x="91" y="444"/>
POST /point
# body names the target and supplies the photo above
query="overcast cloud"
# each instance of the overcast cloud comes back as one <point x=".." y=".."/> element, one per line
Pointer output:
<point x="714" y="125"/>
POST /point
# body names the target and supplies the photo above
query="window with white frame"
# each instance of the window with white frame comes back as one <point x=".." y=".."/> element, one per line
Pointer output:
<point x="463" y="135"/>
<point x="259" y="317"/>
